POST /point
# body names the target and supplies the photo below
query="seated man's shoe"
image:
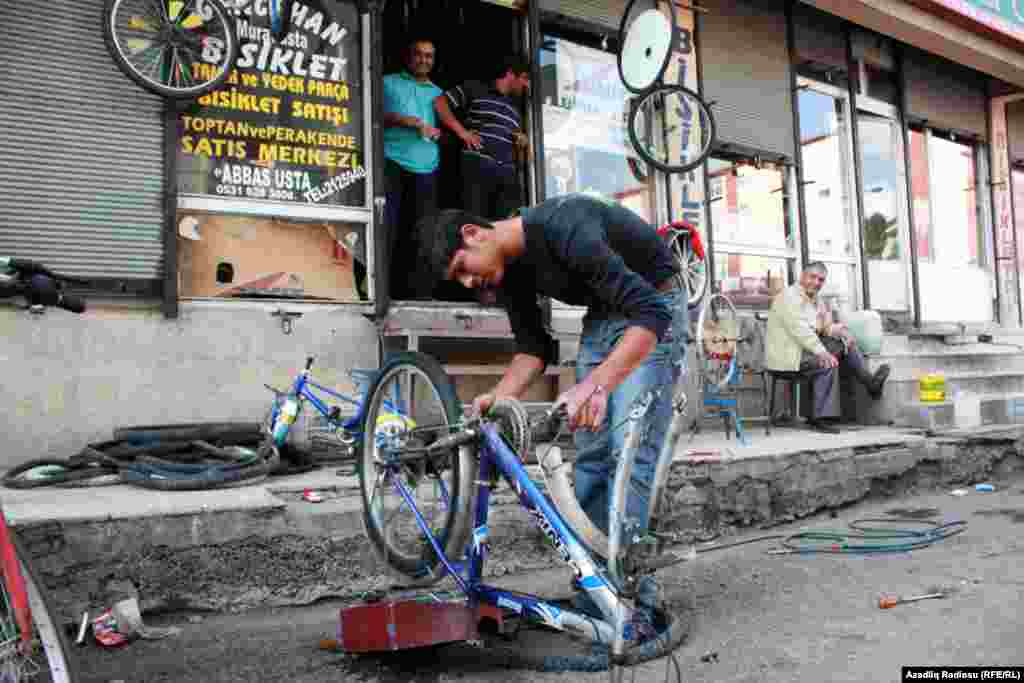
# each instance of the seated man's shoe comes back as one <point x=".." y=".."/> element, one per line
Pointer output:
<point x="823" y="426"/>
<point x="878" y="381"/>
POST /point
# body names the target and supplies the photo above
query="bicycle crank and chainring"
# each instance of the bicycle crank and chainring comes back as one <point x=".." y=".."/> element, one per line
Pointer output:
<point x="515" y="425"/>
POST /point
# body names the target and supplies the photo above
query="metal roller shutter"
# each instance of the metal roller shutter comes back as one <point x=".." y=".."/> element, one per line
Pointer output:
<point x="81" y="183"/>
<point x="745" y="65"/>
<point x="604" y="12"/>
<point x="944" y="94"/>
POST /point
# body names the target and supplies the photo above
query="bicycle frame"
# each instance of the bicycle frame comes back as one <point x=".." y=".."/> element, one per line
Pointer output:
<point x="497" y="458"/>
<point x="305" y="388"/>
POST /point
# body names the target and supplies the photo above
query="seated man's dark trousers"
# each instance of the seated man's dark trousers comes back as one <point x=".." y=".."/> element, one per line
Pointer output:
<point x="826" y="380"/>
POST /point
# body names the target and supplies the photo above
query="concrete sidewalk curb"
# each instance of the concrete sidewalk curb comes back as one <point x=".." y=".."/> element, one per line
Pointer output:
<point x="232" y="549"/>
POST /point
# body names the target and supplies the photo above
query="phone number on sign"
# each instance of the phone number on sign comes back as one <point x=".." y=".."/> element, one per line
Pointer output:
<point x="255" y="192"/>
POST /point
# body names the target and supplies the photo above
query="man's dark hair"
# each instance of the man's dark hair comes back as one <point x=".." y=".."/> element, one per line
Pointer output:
<point x="516" y="63"/>
<point x="817" y="267"/>
<point x="440" y="236"/>
<point x="418" y="38"/>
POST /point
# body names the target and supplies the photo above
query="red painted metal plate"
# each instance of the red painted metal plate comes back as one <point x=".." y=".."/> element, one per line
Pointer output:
<point x="383" y="626"/>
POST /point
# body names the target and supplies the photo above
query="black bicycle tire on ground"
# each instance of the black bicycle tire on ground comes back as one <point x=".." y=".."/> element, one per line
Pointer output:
<point x="231" y="476"/>
<point x="43" y="615"/>
<point x="223" y="16"/>
<point x="636" y="108"/>
<point x="71" y="474"/>
<point x="216" y="432"/>
<point x="427" y="568"/>
<point x="632" y="87"/>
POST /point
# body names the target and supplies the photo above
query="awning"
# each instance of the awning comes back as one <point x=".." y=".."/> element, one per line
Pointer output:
<point x="931" y="32"/>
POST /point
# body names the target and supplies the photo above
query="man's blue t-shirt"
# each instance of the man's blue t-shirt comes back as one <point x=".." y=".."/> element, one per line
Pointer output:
<point x="404" y="95"/>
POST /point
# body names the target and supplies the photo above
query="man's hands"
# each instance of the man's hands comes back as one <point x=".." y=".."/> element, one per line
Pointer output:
<point x="483" y="403"/>
<point x="472" y="140"/>
<point x="586" y="405"/>
<point x="827" y="360"/>
<point x="427" y="131"/>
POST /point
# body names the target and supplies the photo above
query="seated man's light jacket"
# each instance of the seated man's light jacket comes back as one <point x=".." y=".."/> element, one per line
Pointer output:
<point x="794" y="323"/>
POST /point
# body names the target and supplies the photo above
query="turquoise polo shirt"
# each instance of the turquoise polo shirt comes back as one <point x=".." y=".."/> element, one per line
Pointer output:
<point x="405" y="95"/>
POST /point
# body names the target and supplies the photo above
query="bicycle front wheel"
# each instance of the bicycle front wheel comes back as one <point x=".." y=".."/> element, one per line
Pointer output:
<point x="173" y="48"/>
<point x="21" y="659"/>
<point x="411" y="404"/>
<point x="671" y="128"/>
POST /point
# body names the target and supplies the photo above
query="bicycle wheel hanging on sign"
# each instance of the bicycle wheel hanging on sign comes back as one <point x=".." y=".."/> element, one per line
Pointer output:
<point x="184" y="48"/>
<point x="176" y="48"/>
<point x="670" y="126"/>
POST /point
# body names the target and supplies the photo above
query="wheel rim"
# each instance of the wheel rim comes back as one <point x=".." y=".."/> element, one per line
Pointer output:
<point x="180" y="45"/>
<point x="692" y="273"/>
<point x="717" y="333"/>
<point x="407" y="411"/>
<point x="671" y="128"/>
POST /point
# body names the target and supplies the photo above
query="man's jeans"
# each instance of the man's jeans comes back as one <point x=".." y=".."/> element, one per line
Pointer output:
<point x="597" y="452"/>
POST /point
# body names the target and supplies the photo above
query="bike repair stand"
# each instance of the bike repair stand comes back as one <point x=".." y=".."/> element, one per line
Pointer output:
<point x="412" y="619"/>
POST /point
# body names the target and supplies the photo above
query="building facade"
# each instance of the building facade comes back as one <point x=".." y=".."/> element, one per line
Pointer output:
<point x="885" y="138"/>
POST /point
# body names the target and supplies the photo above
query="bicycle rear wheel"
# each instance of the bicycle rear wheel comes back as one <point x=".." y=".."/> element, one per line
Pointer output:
<point x="20" y="659"/>
<point x="412" y="403"/>
<point x="671" y="128"/>
<point x="173" y="48"/>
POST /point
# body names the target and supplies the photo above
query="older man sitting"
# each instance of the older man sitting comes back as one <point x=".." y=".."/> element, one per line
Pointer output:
<point x="804" y="341"/>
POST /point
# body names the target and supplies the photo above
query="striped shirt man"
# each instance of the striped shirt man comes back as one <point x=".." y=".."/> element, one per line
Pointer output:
<point x="491" y="114"/>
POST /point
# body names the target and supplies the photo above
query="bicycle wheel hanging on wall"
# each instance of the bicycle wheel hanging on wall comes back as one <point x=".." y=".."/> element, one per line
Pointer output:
<point x="411" y="404"/>
<point x="175" y="49"/>
<point x="671" y="128"/>
<point x="646" y="34"/>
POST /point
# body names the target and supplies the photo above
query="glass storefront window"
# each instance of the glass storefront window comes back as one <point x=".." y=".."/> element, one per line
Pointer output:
<point x="749" y="228"/>
<point x="746" y="204"/>
<point x="952" y="229"/>
<point x="884" y="223"/>
<point x="750" y="280"/>
<point x="586" y="146"/>
<point x="920" y="192"/>
<point x="244" y="257"/>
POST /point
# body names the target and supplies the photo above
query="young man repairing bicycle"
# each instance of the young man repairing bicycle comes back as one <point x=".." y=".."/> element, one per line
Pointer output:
<point x="584" y="251"/>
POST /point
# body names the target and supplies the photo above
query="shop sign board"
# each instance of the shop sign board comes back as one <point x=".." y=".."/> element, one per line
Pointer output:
<point x="1004" y="16"/>
<point x="287" y="126"/>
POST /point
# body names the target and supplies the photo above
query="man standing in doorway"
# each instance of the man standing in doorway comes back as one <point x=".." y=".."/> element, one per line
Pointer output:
<point x="491" y="133"/>
<point x="582" y="250"/>
<point x="411" y="159"/>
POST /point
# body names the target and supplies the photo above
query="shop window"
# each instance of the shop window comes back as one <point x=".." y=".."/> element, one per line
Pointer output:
<point x="272" y="169"/>
<point x="749" y="227"/>
<point x="951" y="222"/>
<point x="586" y="147"/>
<point x="236" y="257"/>
<point x="884" y="223"/>
<point x="826" y="153"/>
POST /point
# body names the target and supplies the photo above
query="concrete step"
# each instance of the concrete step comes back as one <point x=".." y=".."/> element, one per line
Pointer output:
<point x="236" y="548"/>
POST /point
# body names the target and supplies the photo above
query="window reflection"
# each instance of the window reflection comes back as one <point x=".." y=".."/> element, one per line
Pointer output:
<point x="748" y="279"/>
<point x="826" y="167"/>
<point x="882" y="169"/>
<point x="746" y="204"/>
<point x="584" y="117"/>
<point x="956" y="235"/>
